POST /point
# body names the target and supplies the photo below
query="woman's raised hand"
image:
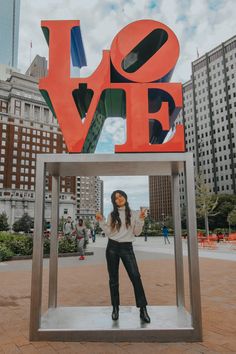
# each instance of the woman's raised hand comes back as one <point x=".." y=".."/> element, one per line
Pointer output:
<point x="142" y="214"/>
<point x="99" y="216"/>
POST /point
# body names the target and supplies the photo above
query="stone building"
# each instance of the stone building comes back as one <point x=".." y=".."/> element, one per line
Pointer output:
<point x="27" y="127"/>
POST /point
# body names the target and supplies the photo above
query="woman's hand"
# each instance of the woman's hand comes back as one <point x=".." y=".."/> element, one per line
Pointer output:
<point x="142" y="214"/>
<point x="99" y="216"/>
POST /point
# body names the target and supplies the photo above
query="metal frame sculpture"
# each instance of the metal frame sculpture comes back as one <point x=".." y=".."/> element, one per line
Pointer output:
<point x="129" y="82"/>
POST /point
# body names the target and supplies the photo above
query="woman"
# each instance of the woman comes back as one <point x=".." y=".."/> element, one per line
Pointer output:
<point x="121" y="227"/>
<point x="80" y="236"/>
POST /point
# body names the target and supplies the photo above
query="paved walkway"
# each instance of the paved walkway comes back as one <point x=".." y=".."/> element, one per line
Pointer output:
<point x="85" y="283"/>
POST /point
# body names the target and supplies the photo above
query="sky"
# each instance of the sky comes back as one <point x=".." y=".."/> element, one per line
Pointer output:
<point x="200" y="25"/>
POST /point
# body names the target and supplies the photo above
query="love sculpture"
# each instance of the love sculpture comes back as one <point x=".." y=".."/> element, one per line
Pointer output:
<point x="130" y="82"/>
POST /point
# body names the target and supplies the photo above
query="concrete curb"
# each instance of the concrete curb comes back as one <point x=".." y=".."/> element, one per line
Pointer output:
<point x="73" y="254"/>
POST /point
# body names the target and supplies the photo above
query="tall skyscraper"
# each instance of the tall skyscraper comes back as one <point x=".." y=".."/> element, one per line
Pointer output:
<point x="9" y="32"/>
<point x="89" y="196"/>
<point x="38" y="67"/>
<point x="160" y="198"/>
<point x="209" y="117"/>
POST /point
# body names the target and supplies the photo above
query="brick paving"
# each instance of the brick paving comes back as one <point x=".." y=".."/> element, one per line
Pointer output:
<point x="86" y="284"/>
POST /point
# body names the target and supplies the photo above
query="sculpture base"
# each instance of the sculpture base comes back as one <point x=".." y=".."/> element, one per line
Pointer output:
<point x="168" y="324"/>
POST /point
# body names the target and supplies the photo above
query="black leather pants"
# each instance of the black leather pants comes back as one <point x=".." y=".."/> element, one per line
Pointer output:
<point x="124" y="251"/>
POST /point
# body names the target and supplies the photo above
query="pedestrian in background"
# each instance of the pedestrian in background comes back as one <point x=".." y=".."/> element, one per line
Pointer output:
<point x="68" y="227"/>
<point x="165" y="233"/>
<point x="80" y="232"/>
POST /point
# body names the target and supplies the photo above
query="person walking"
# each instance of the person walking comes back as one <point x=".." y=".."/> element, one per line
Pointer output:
<point x="80" y="232"/>
<point x="68" y="227"/>
<point x="93" y="235"/>
<point x="165" y="233"/>
<point x="121" y="227"/>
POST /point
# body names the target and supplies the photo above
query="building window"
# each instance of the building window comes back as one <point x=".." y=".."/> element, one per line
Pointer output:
<point x="37" y="112"/>
<point x="27" y="110"/>
<point x="46" y="115"/>
<point x="3" y="106"/>
<point x="17" y="108"/>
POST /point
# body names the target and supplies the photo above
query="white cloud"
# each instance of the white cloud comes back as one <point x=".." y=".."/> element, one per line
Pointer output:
<point x="197" y="23"/>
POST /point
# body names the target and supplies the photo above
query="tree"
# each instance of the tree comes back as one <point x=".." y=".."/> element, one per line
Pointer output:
<point x="232" y="218"/>
<point x="4" y="226"/>
<point x="61" y="223"/>
<point x="88" y="223"/>
<point x="205" y="202"/>
<point x="25" y="223"/>
<point x="226" y="203"/>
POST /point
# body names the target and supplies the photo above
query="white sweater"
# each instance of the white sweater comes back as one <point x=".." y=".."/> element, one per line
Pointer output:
<point x="124" y="234"/>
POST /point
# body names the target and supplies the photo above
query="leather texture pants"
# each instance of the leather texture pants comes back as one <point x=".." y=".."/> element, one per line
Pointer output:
<point x="124" y="251"/>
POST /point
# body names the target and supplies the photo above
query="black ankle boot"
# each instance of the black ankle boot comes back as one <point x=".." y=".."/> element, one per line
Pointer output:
<point x="144" y="315"/>
<point x="115" y="313"/>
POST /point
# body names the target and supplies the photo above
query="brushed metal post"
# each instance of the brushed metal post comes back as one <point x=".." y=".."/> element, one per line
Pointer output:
<point x="37" y="261"/>
<point x="179" y="269"/>
<point x="53" y="262"/>
<point x="194" y="278"/>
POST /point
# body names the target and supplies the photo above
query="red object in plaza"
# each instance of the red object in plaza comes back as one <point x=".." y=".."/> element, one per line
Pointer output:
<point x="140" y="63"/>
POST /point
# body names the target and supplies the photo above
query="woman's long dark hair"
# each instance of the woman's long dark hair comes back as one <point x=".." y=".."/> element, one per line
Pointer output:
<point x="115" y="218"/>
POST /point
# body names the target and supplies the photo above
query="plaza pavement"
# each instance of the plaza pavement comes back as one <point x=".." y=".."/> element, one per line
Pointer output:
<point x="84" y="283"/>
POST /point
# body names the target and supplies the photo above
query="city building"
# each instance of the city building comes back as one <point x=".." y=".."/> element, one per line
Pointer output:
<point x="160" y="198"/>
<point x="27" y="127"/>
<point x="209" y="117"/>
<point x="6" y="71"/>
<point x="38" y="67"/>
<point x="9" y="32"/>
<point x="89" y="196"/>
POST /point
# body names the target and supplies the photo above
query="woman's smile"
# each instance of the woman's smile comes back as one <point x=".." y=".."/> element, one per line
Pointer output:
<point x="120" y="200"/>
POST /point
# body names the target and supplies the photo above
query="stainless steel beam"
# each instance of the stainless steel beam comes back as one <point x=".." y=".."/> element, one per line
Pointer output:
<point x="194" y="278"/>
<point x="53" y="262"/>
<point x="179" y="269"/>
<point x="37" y="262"/>
<point x="113" y="164"/>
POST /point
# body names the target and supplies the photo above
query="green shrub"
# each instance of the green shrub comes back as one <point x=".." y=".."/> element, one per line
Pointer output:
<point x="17" y="244"/>
<point x="67" y="245"/>
<point x="46" y="246"/>
<point x="22" y="245"/>
<point x="5" y="253"/>
<point x="4" y="235"/>
<point x="25" y="223"/>
<point x="4" y="226"/>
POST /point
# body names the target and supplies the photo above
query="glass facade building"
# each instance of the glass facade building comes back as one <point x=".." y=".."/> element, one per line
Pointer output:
<point x="9" y="32"/>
